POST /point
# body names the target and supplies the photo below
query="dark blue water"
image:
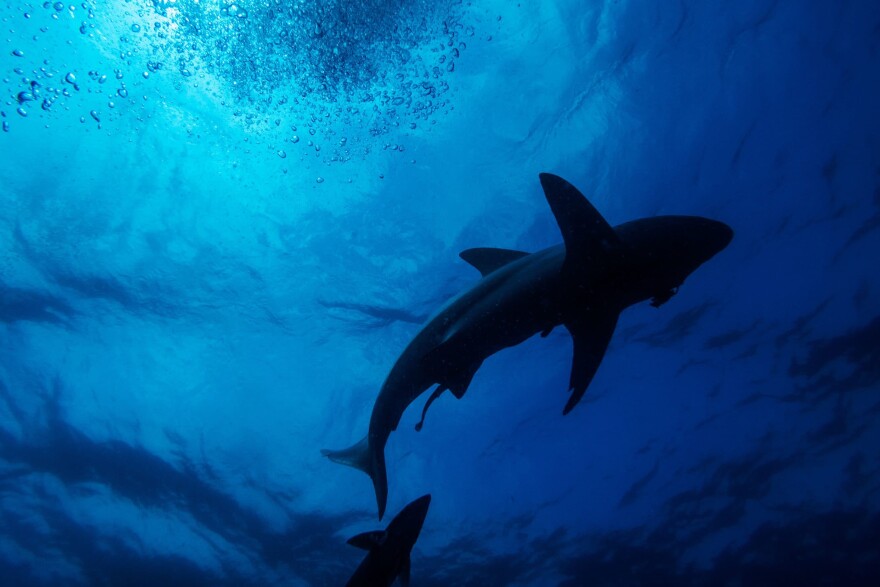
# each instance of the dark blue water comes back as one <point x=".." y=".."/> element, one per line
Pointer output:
<point x="221" y="223"/>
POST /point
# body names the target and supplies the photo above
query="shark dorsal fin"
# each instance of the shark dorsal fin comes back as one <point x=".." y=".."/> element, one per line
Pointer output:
<point x="487" y="259"/>
<point x="368" y="540"/>
<point x="586" y="234"/>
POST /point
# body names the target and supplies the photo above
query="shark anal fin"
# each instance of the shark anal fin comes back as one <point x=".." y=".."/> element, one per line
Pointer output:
<point x="587" y="235"/>
<point x="403" y="575"/>
<point x="459" y="384"/>
<point x="487" y="259"/>
<point x="591" y="334"/>
<point x="368" y="540"/>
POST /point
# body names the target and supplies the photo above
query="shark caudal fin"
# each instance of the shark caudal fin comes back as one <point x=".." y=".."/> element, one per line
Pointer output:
<point x="361" y="456"/>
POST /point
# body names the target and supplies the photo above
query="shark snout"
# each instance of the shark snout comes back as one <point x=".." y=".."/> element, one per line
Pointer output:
<point x="716" y="236"/>
<point x="682" y="243"/>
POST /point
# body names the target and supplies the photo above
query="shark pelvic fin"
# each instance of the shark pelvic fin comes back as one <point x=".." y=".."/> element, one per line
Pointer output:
<point x="368" y="540"/>
<point x="362" y="457"/>
<point x="487" y="259"/>
<point x="591" y="334"/>
<point x="457" y="384"/>
<point x="587" y="235"/>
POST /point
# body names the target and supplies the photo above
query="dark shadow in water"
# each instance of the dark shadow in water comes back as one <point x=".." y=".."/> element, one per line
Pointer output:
<point x="32" y="306"/>
<point x="373" y="315"/>
<point x="834" y="548"/>
<point x="858" y="350"/>
<point x="828" y="548"/>
<point x="678" y="327"/>
<point x="134" y="474"/>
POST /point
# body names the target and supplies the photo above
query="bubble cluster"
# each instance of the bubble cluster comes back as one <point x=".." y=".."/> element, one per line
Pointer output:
<point x="378" y="65"/>
<point x="291" y="70"/>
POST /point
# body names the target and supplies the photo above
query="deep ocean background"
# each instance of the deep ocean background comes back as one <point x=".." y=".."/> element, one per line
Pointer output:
<point x="221" y="223"/>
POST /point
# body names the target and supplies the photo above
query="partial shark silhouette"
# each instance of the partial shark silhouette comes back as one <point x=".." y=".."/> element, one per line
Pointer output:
<point x="389" y="550"/>
<point x="582" y="284"/>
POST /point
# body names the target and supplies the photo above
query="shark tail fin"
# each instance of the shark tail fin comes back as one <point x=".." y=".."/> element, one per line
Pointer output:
<point x="362" y="457"/>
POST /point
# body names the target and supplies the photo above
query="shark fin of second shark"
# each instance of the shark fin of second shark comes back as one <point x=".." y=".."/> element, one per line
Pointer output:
<point x="487" y="259"/>
<point x="587" y="235"/>
<point x="368" y="540"/>
<point x="591" y="334"/>
<point x="403" y="575"/>
<point x="361" y="457"/>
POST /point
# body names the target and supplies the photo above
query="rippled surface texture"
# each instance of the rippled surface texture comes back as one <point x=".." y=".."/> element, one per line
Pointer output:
<point x="221" y="223"/>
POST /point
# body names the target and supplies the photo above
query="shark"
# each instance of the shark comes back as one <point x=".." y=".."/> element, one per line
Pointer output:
<point x="582" y="284"/>
<point x="388" y="556"/>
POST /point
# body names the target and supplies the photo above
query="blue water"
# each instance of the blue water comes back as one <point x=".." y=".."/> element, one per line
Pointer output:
<point x="221" y="223"/>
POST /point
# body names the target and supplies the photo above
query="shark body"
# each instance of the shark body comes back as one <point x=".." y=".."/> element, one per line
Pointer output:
<point x="582" y="284"/>
<point x="389" y="549"/>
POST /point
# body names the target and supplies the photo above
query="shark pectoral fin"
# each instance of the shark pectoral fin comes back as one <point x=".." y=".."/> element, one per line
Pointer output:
<point x="440" y="389"/>
<point x="487" y="259"/>
<point x="591" y="334"/>
<point x="585" y="232"/>
<point x="403" y="575"/>
<point x="368" y="540"/>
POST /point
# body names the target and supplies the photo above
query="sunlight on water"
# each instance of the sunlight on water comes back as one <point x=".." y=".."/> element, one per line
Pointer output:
<point x="329" y="79"/>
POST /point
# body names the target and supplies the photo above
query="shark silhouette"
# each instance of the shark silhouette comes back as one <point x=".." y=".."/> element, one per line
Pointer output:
<point x="582" y="284"/>
<point x="389" y="550"/>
